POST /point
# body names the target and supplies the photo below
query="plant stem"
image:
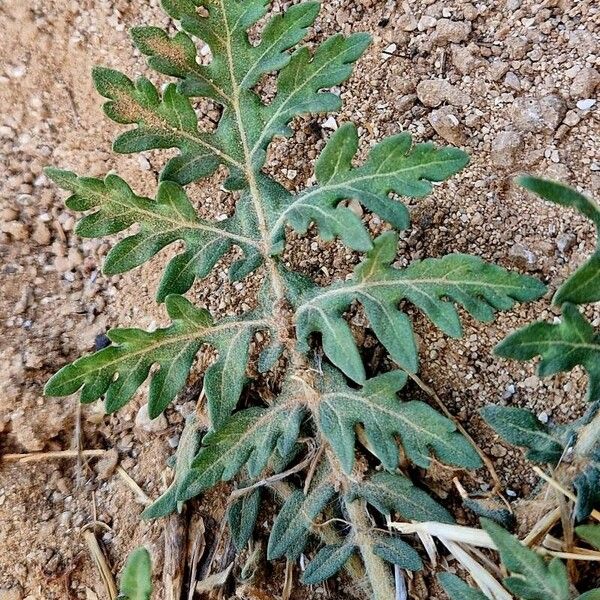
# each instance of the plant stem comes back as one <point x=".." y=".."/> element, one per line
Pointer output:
<point x="378" y="573"/>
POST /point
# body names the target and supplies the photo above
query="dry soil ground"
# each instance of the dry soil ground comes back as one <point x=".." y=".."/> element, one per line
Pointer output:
<point x="514" y="82"/>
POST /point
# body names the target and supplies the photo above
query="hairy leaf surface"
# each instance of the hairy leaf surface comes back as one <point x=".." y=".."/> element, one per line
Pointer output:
<point x="328" y="561"/>
<point x="120" y="369"/>
<point x="531" y="578"/>
<point x="222" y="53"/>
<point x="189" y="443"/>
<point x="247" y="124"/>
<point x="457" y="589"/>
<point x="587" y="488"/>
<point x="292" y="525"/>
<point x="434" y="285"/>
<point x="420" y="428"/>
<point x="241" y="517"/>
<point x="562" y="346"/>
<point x="584" y="285"/>
<point x="390" y="492"/>
<point x="165" y="121"/>
<point x="520" y="427"/>
<point x="169" y="218"/>
<point x="394" y="165"/>
<point x="397" y="552"/>
<point x="247" y="438"/>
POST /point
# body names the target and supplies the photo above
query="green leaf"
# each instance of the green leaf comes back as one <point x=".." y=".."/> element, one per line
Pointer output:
<point x="591" y="595"/>
<point x="136" y="578"/>
<point x="163" y="122"/>
<point x="291" y="527"/>
<point x="520" y="427"/>
<point x="457" y="589"/>
<point x="327" y="562"/>
<point x="189" y="442"/>
<point x="389" y="492"/>
<point x="530" y="577"/>
<point x="434" y="285"/>
<point x="247" y="124"/>
<point x="397" y="552"/>
<point x="133" y="352"/>
<point x="584" y="285"/>
<point x="243" y="46"/>
<point x="247" y="438"/>
<point x="589" y="533"/>
<point x="587" y="487"/>
<point x="241" y="517"/>
<point x="394" y="165"/>
<point x="169" y="218"/>
<point x="376" y="406"/>
<point x="493" y="509"/>
<point x="177" y="56"/>
<point x="562" y="346"/>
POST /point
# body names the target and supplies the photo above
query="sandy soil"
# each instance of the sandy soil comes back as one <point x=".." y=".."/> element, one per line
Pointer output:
<point x="507" y="79"/>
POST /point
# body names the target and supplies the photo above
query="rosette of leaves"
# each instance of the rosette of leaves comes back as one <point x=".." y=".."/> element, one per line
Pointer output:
<point x="568" y="342"/>
<point x="530" y="577"/>
<point x="353" y="420"/>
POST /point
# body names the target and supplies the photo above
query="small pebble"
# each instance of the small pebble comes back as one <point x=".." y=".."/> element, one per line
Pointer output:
<point x="330" y="123"/>
<point x="143" y="421"/>
<point x="586" y="104"/>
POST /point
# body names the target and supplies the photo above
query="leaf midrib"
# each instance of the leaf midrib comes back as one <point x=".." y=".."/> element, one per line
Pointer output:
<point x="265" y="235"/>
<point x="397" y="283"/>
<point x="167" y="342"/>
<point x="302" y="198"/>
<point x="386" y="411"/>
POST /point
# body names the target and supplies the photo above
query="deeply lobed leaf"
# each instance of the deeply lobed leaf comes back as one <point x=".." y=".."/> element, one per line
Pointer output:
<point x="262" y="438"/>
<point x="562" y="346"/>
<point x="169" y="218"/>
<point x="167" y="121"/>
<point x="177" y="56"/>
<point x="394" y="165"/>
<point x="376" y="407"/>
<point x="120" y="369"/>
<point x="247" y="124"/>
<point x="433" y="285"/>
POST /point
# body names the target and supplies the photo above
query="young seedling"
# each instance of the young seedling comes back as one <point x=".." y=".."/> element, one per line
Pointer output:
<point x="333" y="422"/>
